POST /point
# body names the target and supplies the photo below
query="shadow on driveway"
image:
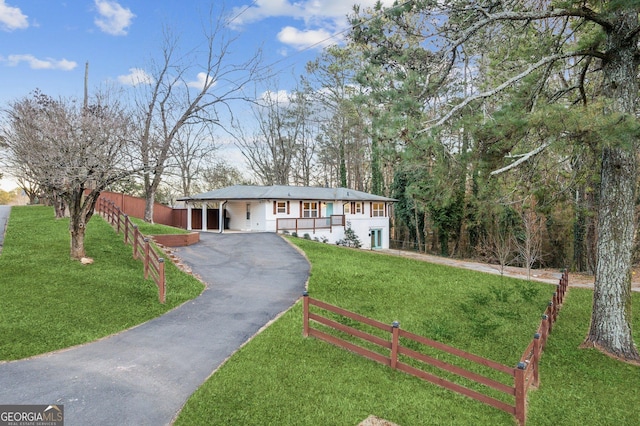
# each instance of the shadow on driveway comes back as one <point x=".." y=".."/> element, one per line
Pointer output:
<point x="144" y="375"/>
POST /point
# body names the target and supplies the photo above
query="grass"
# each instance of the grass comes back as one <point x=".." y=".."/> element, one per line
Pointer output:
<point x="583" y="386"/>
<point x="156" y="229"/>
<point x="282" y="378"/>
<point x="49" y="302"/>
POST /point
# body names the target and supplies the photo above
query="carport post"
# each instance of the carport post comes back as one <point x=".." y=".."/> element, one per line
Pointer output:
<point x="221" y="216"/>
<point x="204" y="216"/>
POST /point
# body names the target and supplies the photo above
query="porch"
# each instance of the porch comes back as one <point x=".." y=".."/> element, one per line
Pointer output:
<point x="310" y="223"/>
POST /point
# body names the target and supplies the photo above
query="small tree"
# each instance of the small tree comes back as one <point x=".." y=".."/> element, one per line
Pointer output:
<point x="72" y="150"/>
<point x="529" y="246"/>
<point x="499" y="244"/>
<point x="350" y="238"/>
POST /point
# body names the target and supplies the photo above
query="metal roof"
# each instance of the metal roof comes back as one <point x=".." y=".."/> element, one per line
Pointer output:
<point x="281" y="192"/>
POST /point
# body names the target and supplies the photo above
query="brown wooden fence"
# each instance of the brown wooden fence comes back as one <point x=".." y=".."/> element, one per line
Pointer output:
<point x="522" y="377"/>
<point x="153" y="264"/>
<point x="135" y="206"/>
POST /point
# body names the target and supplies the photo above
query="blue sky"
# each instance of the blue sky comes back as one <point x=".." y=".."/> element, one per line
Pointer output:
<point x="44" y="44"/>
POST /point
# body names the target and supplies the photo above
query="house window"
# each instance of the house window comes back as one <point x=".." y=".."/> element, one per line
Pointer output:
<point x="358" y="209"/>
<point x="377" y="209"/>
<point x="310" y="209"/>
<point x="281" y="207"/>
<point x="347" y="208"/>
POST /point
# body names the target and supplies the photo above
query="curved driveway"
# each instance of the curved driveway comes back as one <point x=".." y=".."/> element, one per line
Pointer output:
<point x="144" y="375"/>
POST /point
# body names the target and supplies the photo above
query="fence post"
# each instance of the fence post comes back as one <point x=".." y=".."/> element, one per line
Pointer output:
<point x="551" y="318"/>
<point x="535" y="360"/>
<point x="136" y="234"/>
<point x="521" y="394"/>
<point x="161" y="281"/>
<point x="544" y="330"/>
<point x="146" y="258"/>
<point x="305" y="307"/>
<point x="395" y="341"/>
<point x="126" y="229"/>
<point x="564" y="281"/>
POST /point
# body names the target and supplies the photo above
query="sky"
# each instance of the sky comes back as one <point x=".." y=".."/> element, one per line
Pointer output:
<point x="45" y="44"/>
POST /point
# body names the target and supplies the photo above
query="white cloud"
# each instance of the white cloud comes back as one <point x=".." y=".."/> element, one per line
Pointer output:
<point x="201" y="79"/>
<point x="302" y="39"/>
<point x="41" y="64"/>
<point x="114" y="19"/>
<point x="307" y="10"/>
<point x="12" y="18"/>
<point x="281" y="97"/>
<point x="321" y="18"/>
<point x="136" y="76"/>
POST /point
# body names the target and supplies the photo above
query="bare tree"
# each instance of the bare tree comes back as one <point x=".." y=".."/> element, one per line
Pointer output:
<point x="171" y="101"/>
<point x="303" y="114"/>
<point x="529" y="246"/>
<point x="271" y="149"/>
<point x="191" y="150"/>
<point x="499" y="245"/>
<point x="218" y="175"/>
<point x="71" y="150"/>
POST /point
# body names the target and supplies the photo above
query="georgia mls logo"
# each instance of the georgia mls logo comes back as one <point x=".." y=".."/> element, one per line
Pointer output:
<point x="31" y="415"/>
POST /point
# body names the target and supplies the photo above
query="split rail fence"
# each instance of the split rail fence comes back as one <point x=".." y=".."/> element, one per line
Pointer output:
<point x="142" y="249"/>
<point x="523" y="376"/>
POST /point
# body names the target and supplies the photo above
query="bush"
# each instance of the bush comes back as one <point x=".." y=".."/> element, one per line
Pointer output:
<point x="350" y="238"/>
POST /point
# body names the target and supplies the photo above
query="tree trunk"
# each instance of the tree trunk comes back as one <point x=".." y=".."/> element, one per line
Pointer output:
<point x="149" y="202"/>
<point x="610" y="329"/>
<point x="77" y="223"/>
<point x="77" y="229"/>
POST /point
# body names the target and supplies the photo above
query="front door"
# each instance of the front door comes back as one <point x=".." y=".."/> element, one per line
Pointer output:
<point x="376" y="238"/>
<point x="329" y="209"/>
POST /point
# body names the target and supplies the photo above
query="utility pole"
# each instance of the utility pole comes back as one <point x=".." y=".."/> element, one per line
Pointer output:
<point x="86" y="84"/>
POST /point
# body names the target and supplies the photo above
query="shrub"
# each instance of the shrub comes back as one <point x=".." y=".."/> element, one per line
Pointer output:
<point x="350" y="238"/>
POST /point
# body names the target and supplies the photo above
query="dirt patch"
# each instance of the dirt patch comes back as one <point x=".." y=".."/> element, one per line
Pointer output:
<point x="376" y="421"/>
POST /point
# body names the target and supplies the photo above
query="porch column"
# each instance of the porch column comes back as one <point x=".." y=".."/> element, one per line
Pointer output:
<point x="204" y="217"/>
<point x="221" y="217"/>
<point x="188" y="217"/>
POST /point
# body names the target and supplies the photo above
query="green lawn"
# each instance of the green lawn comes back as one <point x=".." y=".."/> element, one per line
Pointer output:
<point x="282" y="378"/>
<point x="49" y="302"/>
<point x="156" y="229"/>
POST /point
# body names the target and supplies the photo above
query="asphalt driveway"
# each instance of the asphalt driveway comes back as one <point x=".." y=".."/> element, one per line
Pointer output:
<point x="144" y="375"/>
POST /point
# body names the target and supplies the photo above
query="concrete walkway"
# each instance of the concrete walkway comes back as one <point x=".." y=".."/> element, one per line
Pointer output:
<point x="143" y="376"/>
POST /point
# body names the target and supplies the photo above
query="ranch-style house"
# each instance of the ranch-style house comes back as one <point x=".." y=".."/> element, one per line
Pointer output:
<point x="322" y="213"/>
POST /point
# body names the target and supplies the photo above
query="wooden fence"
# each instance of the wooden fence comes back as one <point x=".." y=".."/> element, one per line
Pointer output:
<point x="522" y="377"/>
<point x="153" y="264"/>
